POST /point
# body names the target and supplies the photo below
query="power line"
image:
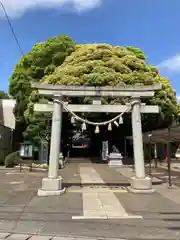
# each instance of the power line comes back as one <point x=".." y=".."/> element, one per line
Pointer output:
<point x="12" y="29"/>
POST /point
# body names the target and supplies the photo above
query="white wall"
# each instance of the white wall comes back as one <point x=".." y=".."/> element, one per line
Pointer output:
<point x="6" y="113"/>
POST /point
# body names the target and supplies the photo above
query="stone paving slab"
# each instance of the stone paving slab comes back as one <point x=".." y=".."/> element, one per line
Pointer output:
<point x="18" y="237"/>
<point x="110" y="176"/>
<point x="40" y="238"/>
<point x="4" y="235"/>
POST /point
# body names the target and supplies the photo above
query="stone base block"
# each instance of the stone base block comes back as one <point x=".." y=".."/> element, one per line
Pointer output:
<point x="51" y="187"/>
<point x="141" y="185"/>
<point x="147" y="191"/>
<point x="115" y="163"/>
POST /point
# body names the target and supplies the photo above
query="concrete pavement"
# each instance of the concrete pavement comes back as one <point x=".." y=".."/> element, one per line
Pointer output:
<point x="10" y="236"/>
<point x="93" y="189"/>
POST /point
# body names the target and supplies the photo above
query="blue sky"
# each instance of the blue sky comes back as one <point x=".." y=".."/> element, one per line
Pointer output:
<point x="152" y="25"/>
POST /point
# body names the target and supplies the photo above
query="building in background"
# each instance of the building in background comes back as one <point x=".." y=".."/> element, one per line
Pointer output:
<point x="7" y="127"/>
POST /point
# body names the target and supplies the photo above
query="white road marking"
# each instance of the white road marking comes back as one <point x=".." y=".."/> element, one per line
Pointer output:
<point x="98" y="204"/>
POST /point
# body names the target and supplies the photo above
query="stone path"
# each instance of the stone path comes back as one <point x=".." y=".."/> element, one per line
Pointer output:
<point x="102" y="203"/>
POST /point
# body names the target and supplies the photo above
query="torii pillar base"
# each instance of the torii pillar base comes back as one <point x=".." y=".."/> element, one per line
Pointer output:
<point x="141" y="185"/>
<point x="51" y="187"/>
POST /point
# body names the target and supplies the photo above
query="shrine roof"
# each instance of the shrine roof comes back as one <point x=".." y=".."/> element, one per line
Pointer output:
<point x="161" y="135"/>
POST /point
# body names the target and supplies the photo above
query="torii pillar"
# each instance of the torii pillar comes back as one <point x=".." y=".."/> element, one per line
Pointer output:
<point x="53" y="184"/>
<point x="140" y="182"/>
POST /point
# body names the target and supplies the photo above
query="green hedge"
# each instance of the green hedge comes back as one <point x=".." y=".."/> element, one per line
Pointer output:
<point x="12" y="159"/>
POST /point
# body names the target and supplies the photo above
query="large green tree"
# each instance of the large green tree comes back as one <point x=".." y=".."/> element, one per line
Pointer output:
<point x="103" y="64"/>
<point x="60" y="61"/>
<point x="39" y="62"/>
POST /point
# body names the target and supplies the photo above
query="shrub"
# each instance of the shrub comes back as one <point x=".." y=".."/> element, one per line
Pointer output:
<point x="3" y="154"/>
<point x="12" y="159"/>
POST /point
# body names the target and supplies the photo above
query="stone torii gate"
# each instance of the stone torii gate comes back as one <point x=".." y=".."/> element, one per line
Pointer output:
<point x="53" y="184"/>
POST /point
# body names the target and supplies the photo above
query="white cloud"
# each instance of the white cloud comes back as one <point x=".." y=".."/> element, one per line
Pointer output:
<point x="178" y="98"/>
<point x="171" y="65"/>
<point x="17" y="8"/>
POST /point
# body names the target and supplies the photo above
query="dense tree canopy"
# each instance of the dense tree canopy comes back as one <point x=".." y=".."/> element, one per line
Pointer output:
<point x="103" y="64"/>
<point x="60" y="61"/>
<point x="40" y="61"/>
